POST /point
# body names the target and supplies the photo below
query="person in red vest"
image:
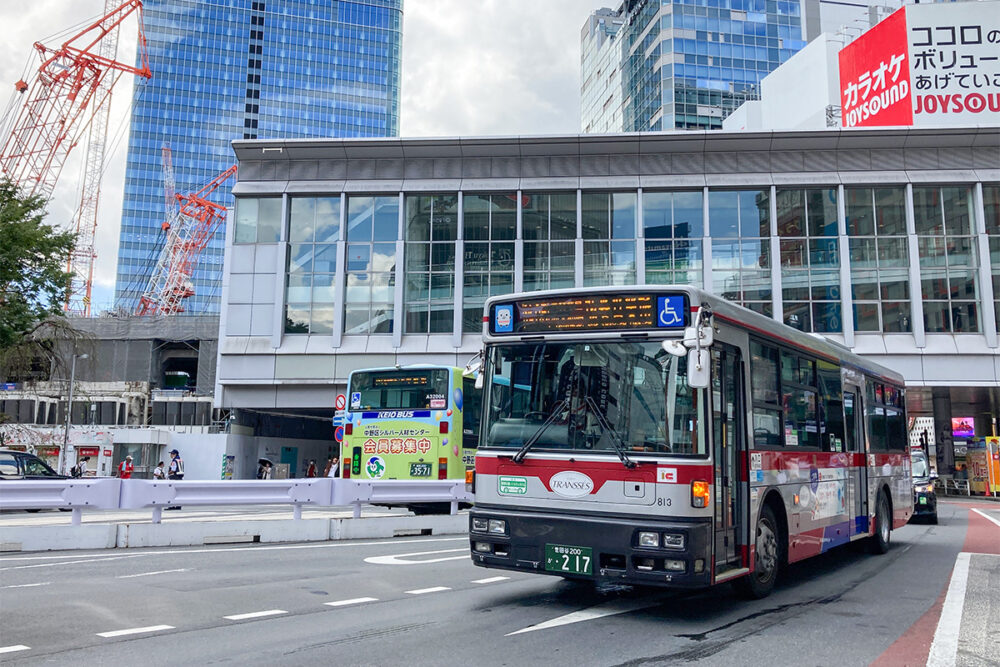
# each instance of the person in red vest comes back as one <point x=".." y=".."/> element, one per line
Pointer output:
<point x="125" y="468"/>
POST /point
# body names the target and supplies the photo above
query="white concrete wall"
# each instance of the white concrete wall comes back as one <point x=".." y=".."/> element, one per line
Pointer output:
<point x="202" y="453"/>
<point x="795" y="96"/>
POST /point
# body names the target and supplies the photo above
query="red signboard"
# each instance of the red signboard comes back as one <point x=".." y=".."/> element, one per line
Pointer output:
<point x="875" y="76"/>
<point x="88" y="451"/>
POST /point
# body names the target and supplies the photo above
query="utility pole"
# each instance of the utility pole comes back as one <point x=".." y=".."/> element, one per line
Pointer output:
<point x="69" y="412"/>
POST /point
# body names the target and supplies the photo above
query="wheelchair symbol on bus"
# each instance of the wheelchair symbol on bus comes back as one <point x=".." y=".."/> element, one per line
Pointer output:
<point x="670" y="311"/>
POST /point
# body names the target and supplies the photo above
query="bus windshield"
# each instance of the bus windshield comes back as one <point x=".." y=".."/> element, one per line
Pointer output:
<point x="564" y="395"/>
<point x="400" y="390"/>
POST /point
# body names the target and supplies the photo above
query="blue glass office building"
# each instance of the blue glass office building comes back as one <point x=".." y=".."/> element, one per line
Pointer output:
<point x="246" y="69"/>
<point x="684" y="63"/>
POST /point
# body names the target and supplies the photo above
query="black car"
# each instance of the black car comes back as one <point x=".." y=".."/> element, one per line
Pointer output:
<point x="22" y="465"/>
<point x="924" y="497"/>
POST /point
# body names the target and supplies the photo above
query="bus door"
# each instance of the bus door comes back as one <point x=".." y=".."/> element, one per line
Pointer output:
<point x="729" y="446"/>
<point x="854" y="436"/>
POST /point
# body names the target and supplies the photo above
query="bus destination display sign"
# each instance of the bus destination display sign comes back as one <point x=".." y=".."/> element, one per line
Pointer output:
<point x="596" y="312"/>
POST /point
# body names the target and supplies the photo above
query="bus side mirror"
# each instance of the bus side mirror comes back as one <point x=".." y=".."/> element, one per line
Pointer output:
<point x="697" y="370"/>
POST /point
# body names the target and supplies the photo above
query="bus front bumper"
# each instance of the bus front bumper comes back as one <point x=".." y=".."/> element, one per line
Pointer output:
<point x="602" y="549"/>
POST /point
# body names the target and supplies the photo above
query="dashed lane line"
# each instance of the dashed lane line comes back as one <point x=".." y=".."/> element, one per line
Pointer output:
<point x="255" y="614"/>
<point x="490" y="580"/>
<point x="135" y="631"/>
<point x="12" y="649"/>
<point x="43" y="583"/>
<point x="344" y="603"/>
<point x="422" y="591"/>
<point x="150" y="574"/>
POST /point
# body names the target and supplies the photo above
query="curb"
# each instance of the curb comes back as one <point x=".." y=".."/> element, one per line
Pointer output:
<point x="198" y="533"/>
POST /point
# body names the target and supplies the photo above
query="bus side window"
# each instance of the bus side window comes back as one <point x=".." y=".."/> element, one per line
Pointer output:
<point x="472" y="412"/>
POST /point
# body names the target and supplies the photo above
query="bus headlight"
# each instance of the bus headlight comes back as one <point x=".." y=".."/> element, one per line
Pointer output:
<point x="649" y="539"/>
<point x="673" y="540"/>
<point x="498" y="526"/>
<point x="480" y="525"/>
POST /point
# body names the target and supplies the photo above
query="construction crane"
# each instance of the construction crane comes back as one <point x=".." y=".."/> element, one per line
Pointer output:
<point x="188" y="231"/>
<point x="70" y="96"/>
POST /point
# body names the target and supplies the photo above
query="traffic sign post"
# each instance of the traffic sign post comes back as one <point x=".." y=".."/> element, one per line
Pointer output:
<point x="338" y="434"/>
<point x="341" y="402"/>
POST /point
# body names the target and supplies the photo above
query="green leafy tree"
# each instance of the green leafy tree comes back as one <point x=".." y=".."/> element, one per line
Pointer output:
<point x="34" y="283"/>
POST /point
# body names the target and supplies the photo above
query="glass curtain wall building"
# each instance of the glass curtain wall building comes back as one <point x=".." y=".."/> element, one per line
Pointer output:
<point x="248" y="69"/>
<point x="681" y="64"/>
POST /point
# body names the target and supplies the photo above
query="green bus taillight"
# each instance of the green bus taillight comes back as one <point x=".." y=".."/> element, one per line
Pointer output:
<point x="356" y="461"/>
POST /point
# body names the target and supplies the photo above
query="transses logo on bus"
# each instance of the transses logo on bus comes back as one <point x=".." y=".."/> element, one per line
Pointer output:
<point x="571" y="484"/>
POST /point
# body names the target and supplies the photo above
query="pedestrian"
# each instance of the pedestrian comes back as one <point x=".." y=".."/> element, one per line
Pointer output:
<point x="260" y="469"/>
<point x="332" y="467"/>
<point x="311" y="470"/>
<point x="158" y="471"/>
<point x="82" y="467"/>
<point x="175" y="471"/>
<point x="267" y="471"/>
<point x="125" y="468"/>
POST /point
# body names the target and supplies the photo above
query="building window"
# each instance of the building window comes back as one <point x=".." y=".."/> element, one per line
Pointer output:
<point x="313" y="229"/>
<point x="991" y="205"/>
<point x="948" y="254"/>
<point x="431" y="230"/>
<point x="673" y="225"/>
<point x="372" y="232"/>
<point x="810" y="261"/>
<point x="489" y="230"/>
<point x="258" y="220"/>
<point x="740" y="226"/>
<point x="880" y="282"/>
<point x="608" y="220"/>
<point x="549" y="228"/>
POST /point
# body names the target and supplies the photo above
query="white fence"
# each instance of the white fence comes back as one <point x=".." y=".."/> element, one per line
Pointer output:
<point x="79" y="494"/>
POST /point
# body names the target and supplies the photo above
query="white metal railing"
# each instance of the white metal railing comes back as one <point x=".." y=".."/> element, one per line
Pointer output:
<point x="80" y="494"/>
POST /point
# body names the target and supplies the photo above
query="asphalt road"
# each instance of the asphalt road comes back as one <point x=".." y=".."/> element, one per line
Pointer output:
<point x="420" y="601"/>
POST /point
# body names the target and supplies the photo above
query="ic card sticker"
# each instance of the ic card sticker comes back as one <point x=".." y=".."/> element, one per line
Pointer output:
<point x="666" y="475"/>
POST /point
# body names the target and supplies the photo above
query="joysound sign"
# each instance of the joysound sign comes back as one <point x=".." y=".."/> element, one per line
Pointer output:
<point x="925" y="65"/>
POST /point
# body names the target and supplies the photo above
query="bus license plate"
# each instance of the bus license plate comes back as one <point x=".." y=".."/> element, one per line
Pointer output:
<point x="572" y="560"/>
<point x="420" y="470"/>
<point x="923" y="500"/>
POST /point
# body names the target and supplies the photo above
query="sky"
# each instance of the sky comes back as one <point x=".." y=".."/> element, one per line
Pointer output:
<point x="470" y="67"/>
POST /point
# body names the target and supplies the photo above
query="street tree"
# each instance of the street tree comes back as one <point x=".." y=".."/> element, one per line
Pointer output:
<point x="34" y="284"/>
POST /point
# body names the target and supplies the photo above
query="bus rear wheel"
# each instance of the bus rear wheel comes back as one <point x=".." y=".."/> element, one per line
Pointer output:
<point x="767" y="559"/>
<point x="879" y="542"/>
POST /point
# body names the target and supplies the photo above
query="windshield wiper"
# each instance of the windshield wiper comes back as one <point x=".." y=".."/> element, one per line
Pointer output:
<point x="530" y="442"/>
<point x="613" y="434"/>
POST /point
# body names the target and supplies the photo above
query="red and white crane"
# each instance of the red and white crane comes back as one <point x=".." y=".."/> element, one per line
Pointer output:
<point x="70" y="96"/>
<point x="190" y="225"/>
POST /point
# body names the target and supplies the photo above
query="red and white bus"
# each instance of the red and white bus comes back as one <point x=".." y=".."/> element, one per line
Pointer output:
<point x="660" y="435"/>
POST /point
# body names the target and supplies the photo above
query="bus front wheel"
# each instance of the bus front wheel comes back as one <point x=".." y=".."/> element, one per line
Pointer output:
<point x="767" y="558"/>
<point x="879" y="542"/>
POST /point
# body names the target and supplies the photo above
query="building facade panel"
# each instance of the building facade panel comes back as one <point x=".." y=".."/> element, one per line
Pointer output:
<point x="900" y="265"/>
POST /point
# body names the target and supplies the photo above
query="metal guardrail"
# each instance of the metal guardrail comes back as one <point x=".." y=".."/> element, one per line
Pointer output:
<point x="953" y="487"/>
<point x="77" y="495"/>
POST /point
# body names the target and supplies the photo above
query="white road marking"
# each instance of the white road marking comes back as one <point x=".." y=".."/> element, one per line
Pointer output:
<point x="344" y="603"/>
<point x="986" y="516"/>
<point x="135" y="631"/>
<point x="490" y="580"/>
<point x="402" y="559"/>
<point x="435" y="589"/>
<point x="944" y="648"/>
<point x="69" y="562"/>
<point x="44" y="583"/>
<point x="16" y="647"/>
<point x="607" y="609"/>
<point x="96" y="558"/>
<point x="256" y="614"/>
<point x="149" y="574"/>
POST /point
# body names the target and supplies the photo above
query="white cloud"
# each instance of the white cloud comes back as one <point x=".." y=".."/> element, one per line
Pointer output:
<point x="489" y="67"/>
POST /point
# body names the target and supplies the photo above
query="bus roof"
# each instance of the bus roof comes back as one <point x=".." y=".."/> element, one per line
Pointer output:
<point x="724" y="310"/>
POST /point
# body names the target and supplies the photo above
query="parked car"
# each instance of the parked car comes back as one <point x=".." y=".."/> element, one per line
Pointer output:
<point x="22" y="465"/>
<point x="924" y="497"/>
